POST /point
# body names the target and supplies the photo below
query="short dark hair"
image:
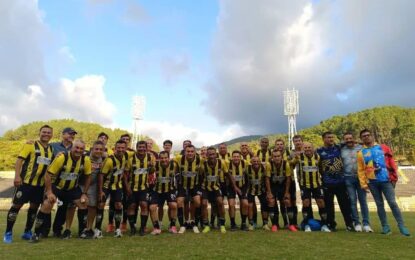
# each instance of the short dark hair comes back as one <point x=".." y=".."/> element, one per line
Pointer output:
<point x="236" y="151"/>
<point x="167" y="142"/>
<point x="125" y="135"/>
<point x="45" y="126"/>
<point x="211" y="148"/>
<point x="277" y="151"/>
<point x="365" y="131"/>
<point x="164" y="152"/>
<point x="98" y="142"/>
<point x="187" y="141"/>
<point x="103" y="134"/>
<point x="298" y="137"/>
<point x="279" y="140"/>
<point x="190" y="146"/>
<point x="141" y="142"/>
<point x="120" y="142"/>
<point x="347" y="133"/>
<point x="222" y="144"/>
<point x="326" y="134"/>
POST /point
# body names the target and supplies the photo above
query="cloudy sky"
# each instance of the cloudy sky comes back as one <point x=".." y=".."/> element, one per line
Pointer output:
<point x="210" y="70"/>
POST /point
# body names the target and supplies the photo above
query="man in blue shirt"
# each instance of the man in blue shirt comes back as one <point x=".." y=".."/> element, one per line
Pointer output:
<point x="349" y="155"/>
<point x="331" y="168"/>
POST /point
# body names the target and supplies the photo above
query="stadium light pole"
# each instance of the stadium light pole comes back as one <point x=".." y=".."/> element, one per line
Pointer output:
<point x="138" y="108"/>
<point x="291" y="110"/>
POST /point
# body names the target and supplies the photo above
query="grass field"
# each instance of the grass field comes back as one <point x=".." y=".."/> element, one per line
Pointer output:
<point x="232" y="245"/>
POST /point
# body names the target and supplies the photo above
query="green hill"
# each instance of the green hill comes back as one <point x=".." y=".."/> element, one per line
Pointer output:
<point x="12" y="140"/>
<point x="391" y="125"/>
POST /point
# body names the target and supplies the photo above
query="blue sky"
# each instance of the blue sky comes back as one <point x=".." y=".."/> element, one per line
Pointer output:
<point x="103" y="43"/>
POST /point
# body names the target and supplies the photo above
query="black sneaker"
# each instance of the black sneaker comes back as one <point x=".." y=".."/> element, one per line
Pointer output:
<point x="57" y="234"/>
<point x="34" y="238"/>
<point x="133" y="231"/>
<point x="244" y="227"/>
<point x="142" y="232"/>
<point x="83" y="234"/>
<point x="66" y="234"/>
<point x="350" y="229"/>
<point x="234" y="227"/>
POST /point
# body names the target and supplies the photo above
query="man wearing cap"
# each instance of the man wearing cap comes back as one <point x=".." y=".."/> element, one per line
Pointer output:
<point x="64" y="146"/>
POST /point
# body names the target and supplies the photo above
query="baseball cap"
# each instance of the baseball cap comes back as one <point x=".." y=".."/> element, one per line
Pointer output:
<point x="69" y="130"/>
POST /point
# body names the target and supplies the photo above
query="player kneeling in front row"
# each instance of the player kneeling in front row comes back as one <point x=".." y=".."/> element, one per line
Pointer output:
<point x="278" y="190"/>
<point x="256" y="173"/>
<point x="66" y="169"/>
<point x="310" y="186"/>
<point x="211" y="172"/>
<point x="237" y="179"/>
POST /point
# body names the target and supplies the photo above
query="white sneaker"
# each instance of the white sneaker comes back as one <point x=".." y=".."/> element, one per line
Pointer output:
<point x="97" y="233"/>
<point x="367" y="229"/>
<point x="307" y="228"/>
<point x="117" y="233"/>
<point x="325" y="228"/>
<point x="182" y="230"/>
<point x="358" y="228"/>
<point x="196" y="230"/>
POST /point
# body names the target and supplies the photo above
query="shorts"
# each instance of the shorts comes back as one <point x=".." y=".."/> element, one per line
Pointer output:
<point x="224" y="190"/>
<point x="315" y="193"/>
<point x="278" y="191"/>
<point x="262" y="200"/>
<point x="232" y="194"/>
<point x="211" y="196"/>
<point x="27" y="193"/>
<point x="67" y="196"/>
<point x="163" y="197"/>
<point x="115" y="195"/>
<point x="139" y="196"/>
<point x="188" y="194"/>
<point x="92" y="195"/>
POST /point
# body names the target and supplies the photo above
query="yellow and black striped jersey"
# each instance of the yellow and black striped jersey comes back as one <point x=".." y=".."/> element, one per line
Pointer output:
<point x="237" y="172"/>
<point x="212" y="176"/>
<point x="36" y="160"/>
<point x="140" y="169"/>
<point x="256" y="179"/>
<point x="113" y="171"/>
<point x="226" y="157"/>
<point x="165" y="177"/>
<point x="189" y="173"/>
<point x="247" y="157"/>
<point x="279" y="173"/>
<point x="308" y="172"/>
<point x="67" y="171"/>
<point x="264" y="156"/>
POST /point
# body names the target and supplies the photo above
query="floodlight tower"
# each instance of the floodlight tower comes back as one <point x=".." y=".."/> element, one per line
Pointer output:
<point x="291" y="109"/>
<point x="138" y="108"/>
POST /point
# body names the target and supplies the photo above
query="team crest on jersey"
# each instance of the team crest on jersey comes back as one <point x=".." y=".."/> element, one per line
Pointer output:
<point x="323" y="153"/>
<point x="19" y="194"/>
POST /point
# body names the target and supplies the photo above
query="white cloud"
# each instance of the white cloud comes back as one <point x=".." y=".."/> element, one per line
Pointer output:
<point x="26" y="94"/>
<point x="342" y="56"/>
<point x="173" y="67"/>
<point x="177" y="132"/>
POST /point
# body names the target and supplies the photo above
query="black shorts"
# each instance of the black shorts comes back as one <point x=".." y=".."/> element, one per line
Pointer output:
<point x="115" y="195"/>
<point x="315" y="193"/>
<point x="188" y="194"/>
<point x="224" y="190"/>
<point x="67" y="196"/>
<point x="139" y="196"/>
<point x="278" y="191"/>
<point x="211" y="196"/>
<point x="27" y="193"/>
<point x="262" y="200"/>
<point x="232" y="194"/>
<point x="163" y="197"/>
